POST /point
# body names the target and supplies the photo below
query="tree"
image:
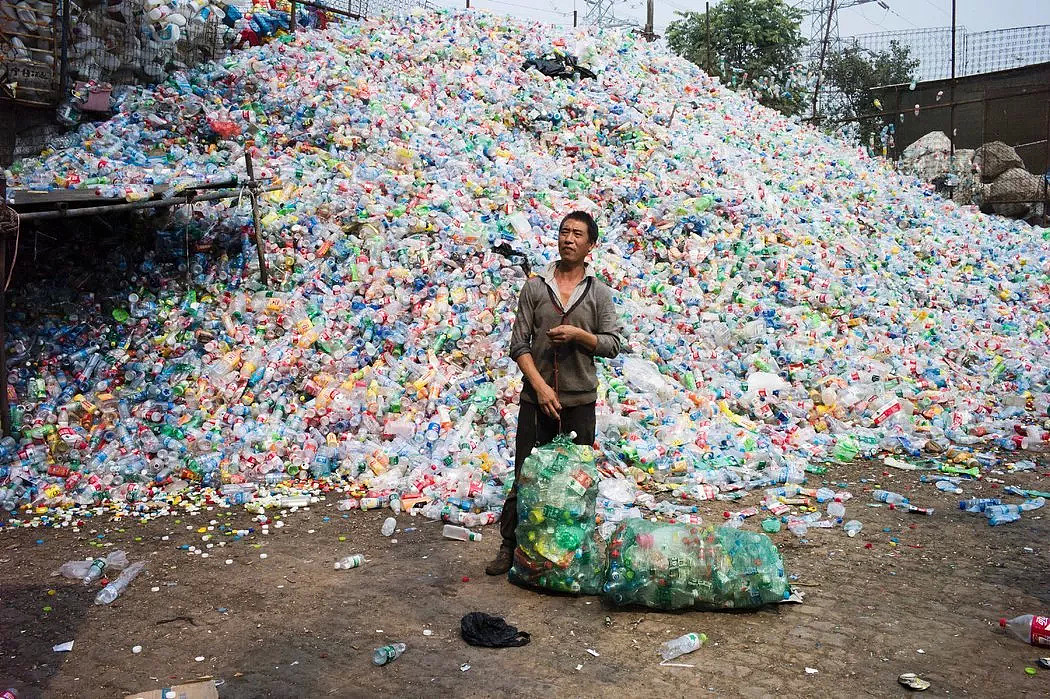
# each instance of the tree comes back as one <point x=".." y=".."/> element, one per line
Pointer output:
<point x="850" y="74"/>
<point x="754" y="44"/>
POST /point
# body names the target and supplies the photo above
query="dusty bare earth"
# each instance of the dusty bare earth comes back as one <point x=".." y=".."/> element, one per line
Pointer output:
<point x="288" y="625"/>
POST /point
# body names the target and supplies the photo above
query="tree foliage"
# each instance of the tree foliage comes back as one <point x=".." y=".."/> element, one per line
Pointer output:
<point x="754" y="44"/>
<point x="850" y="74"/>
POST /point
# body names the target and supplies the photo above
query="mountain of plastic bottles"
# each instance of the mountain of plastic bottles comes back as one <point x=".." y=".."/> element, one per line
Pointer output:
<point x="787" y="298"/>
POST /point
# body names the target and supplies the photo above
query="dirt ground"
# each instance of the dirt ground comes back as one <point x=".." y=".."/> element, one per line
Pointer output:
<point x="910" y="593"/>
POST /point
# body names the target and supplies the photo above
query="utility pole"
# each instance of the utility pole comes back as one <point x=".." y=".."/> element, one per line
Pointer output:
<point x="951" y="112"/>
<point x="823" y="55"/>
<point x="649" y="34"/>
<point x="707" y="32"/>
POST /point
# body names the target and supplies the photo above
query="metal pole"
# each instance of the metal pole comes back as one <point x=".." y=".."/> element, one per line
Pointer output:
<point x="951" y="112"/>
<point x="823" y="53"/>
<point x="65" y="212"/>
<point x="1046" y="174"/>
<point x="574" y="18"/>
<point x="707" y="30"/>
<point x="253" y="191"/>
<point x="292" y="18"/>
<point x="897" y="136"/>
<point x="5" y="409"/>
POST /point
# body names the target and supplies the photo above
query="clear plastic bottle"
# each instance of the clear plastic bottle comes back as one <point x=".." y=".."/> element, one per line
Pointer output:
<point x="354" y="561"/>
<point x="852" y="527"/>
<point x="389" y="525"/>
<point x="978" y="504"/>
<point x="1029" y="628"/>
<point x="889" y="497"/>
<point x="451" y="531"/>
<point x="681" y="645"/>
<point x="113" y="590"/>
<point x="998" y="518"/>
<point x="388" y="653"/>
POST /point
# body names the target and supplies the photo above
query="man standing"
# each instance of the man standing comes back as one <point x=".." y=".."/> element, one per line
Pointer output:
<point x="566" y="317"/>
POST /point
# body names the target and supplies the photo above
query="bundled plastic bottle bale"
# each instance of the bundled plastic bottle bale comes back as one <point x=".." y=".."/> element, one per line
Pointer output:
<point x="675" y="566"/>
<point x="558" y="546"/>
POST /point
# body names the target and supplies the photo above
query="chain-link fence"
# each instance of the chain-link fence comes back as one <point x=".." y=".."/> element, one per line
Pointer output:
<point x="975" y="52"/>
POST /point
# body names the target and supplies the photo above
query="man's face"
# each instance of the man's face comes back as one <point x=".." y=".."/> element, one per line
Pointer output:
<point x="573" y="243"/>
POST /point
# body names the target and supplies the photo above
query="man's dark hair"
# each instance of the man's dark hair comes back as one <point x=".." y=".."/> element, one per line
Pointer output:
<point x="587" y="220"/>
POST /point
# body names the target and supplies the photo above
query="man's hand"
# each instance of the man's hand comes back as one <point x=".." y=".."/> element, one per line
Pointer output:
<point x="563" y="334"/>
<point x="548" y="400"/>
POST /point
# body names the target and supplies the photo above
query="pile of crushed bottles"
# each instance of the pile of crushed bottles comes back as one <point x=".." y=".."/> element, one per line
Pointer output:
<point x="787" y="298"/>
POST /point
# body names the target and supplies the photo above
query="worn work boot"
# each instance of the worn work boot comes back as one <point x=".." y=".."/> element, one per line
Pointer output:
<point x="501" y="564"/>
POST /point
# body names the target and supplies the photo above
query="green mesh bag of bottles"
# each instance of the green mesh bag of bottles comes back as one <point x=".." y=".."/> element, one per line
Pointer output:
<point x="677" y="566"/>
<point x="558" y="546"/>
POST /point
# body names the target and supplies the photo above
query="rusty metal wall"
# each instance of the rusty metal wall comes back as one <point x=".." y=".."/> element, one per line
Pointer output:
<point x="1009" y="106"/>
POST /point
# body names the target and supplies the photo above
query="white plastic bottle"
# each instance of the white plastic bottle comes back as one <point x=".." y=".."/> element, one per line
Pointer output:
<point x="451" y="531"/>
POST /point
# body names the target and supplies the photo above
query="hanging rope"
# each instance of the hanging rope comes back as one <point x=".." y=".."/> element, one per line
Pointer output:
<point x="10" y="222"/>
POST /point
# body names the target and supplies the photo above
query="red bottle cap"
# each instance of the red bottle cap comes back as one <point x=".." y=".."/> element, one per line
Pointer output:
<point x="1002" y="623"/>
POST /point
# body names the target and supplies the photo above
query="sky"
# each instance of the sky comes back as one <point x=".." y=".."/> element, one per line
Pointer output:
<point x="974" y="15"/>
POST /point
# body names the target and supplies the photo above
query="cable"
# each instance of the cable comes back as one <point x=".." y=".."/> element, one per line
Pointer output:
<point x="14" y="258"/>
<point x="527" y="7"/>
<point x="938" y="8"/>
<point x="890" y="9"/>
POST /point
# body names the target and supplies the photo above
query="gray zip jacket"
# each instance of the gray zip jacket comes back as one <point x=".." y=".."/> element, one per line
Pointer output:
<point x="539" y="309"/>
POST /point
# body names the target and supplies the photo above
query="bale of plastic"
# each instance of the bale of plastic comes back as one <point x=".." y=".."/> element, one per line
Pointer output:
<point x="995" y="158"/>
<point x="1013" y="192"/>
<point x="558" y="546"/>
<point x="680" y="566"/>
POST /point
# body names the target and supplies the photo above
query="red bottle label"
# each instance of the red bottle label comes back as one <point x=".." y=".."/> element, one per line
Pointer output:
<point x="1041" y="631"/>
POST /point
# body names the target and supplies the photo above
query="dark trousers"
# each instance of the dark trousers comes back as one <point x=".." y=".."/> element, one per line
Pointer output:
<point x="535" y="429"/>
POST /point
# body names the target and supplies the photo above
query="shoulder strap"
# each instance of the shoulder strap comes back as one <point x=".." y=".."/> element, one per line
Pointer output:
<point x="557" y="302"/>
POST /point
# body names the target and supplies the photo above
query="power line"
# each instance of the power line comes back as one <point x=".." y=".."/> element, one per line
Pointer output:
<point x="890" y="9"/>
<point x="938" y="8"/>
<point x="529" y="7"/>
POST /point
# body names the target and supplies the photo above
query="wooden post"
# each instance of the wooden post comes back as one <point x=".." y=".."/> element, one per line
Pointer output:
<point x="292" y="18"/>
<point x="650" y="35"/>
<point x="253" y="192"/>
<point x="5" y="408"/>
<point x="574" y="18"/>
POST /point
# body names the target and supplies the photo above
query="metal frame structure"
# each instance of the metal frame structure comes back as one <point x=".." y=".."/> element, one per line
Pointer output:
<point x="63" y="204"/>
